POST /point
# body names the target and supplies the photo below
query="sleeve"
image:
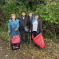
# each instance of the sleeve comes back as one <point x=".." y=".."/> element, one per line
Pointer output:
<point x="9" y="28"/>
<point x="28" y="22"/>
<point x="18" y="24"/>
<point x="40" y="26"/>
<point x="30" y="25"/>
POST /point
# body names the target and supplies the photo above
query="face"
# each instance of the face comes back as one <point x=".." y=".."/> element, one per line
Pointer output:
<point x="23" y="14"/>
<point x="13" y="17"/>
<point x="36" y="17"/>
<point x="30" y="14"/>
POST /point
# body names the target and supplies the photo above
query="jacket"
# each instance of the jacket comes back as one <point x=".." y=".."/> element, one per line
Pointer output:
<point x="23" y="23"/>
<point x="12" y="25"/>
<point x="39" y="29"/>
<point x="30" y="21"/>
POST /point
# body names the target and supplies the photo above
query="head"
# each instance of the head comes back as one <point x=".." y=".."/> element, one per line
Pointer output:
<point x="13" y="16"/>
<point x="23" y="13"/>
<point x="30" y="14"/>
<point x="36" y="16"/>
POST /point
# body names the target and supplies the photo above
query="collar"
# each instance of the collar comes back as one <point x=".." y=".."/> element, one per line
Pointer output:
<point x="11" y="18"/>
<point x="25" y="16"/>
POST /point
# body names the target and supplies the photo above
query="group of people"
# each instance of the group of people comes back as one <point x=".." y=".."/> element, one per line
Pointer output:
<point x="30" y="23"/>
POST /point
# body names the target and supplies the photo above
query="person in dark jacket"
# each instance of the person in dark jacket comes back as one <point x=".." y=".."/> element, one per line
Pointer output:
<point x="30" y="18"/>
<point x="36" y="26"/>
<point x="23" y="26"/>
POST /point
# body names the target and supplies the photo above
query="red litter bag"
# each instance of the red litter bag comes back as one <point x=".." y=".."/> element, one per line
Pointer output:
<point x="39" y="40"/>
<point x="32" y="36"/>
<point x="15" y="39"/>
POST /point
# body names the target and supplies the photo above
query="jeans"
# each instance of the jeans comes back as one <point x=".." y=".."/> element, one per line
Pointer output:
<point x="34" y="33"/>
<point x="26" y="35"/>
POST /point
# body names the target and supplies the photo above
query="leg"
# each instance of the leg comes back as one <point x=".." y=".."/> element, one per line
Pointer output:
<point x="31" y="37"/>
<point x="21" y="32"/>
<point x="26" y="37"/>
<point x="34" y="33"/>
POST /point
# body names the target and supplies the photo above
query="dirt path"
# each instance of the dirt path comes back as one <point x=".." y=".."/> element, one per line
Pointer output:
<point x="51" y="51"/>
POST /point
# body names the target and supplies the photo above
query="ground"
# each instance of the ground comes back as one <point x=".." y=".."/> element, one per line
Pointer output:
<point x="50" y="51"/>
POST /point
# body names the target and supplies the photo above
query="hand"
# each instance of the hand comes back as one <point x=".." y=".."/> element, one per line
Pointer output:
<point x="30" y="31"/>
<point x="8" y="31"/>
<point x="41" y="33"/>
<point x="16" y="29"/>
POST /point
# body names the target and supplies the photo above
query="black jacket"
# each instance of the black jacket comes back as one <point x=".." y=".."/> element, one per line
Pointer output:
<point x="30" y="21"/>
<point x="22" y="22"/>
<point x="39" y="29"/>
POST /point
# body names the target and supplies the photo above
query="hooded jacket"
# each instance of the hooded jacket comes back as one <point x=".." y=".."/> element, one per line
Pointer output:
<point x="23" y="23"/>
<point x="12" y="25"/>
<point x="30" y="21"/>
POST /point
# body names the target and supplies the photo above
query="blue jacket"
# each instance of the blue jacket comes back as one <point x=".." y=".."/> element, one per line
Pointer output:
<point x="12" y="25"/>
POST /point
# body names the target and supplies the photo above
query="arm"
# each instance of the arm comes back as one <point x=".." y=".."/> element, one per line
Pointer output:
<point x="17" y="26"/>
<point x="28" y="22"/>
<point x="40" y="26"/>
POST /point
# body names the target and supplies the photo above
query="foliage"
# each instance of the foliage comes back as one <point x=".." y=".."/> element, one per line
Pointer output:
<point x="13" y="7"/>
<point x="48" y="12"/>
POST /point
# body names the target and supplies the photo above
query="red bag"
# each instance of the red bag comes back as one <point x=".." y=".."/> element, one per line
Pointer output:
<point x="32" y="36"/>
<point x="15" y="39"/>
<point x="39" y="40"/>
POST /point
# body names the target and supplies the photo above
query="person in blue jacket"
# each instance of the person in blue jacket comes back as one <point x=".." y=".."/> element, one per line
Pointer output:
<point x="13" y="26"/>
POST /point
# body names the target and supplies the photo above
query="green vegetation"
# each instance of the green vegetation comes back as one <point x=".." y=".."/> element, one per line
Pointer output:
<point x="48" y="11"/>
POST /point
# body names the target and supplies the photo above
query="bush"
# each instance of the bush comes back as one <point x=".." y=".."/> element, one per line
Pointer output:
<point x="13" y="7"/>
<point x="48" y="13"/>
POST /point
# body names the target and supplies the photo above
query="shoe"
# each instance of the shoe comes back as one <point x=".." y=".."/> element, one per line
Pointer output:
<point x="22" y="42"/>
<point x="27" y="43"/>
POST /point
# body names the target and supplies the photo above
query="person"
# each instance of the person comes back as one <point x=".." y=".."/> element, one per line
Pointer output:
<point x="13" y="26"/>
<point x="23" y="26"/>
<point x="30" y="18"/>
<point x="36" y="26"/>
